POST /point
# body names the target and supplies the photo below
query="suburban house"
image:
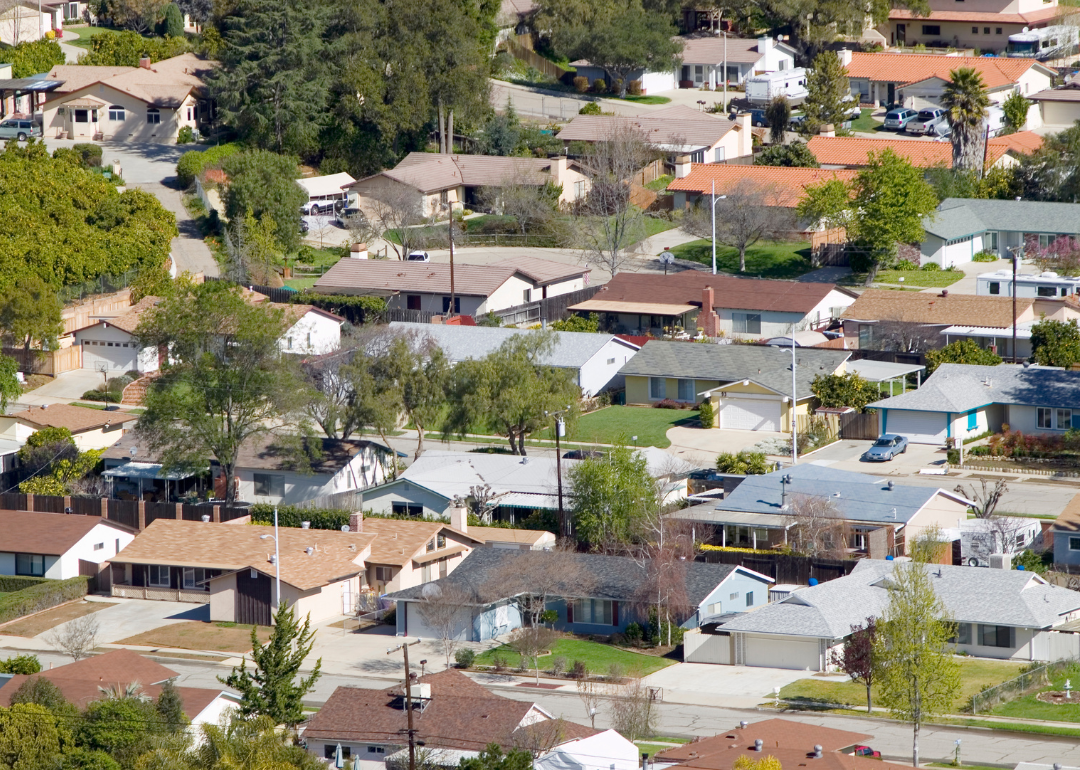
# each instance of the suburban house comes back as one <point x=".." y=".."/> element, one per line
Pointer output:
<point x="594" y="359"/>
<point x="750" y="385"/>
<point x="960" y="227"/>
<point x="746" y="308"/>
<point x="514" y="539"/>
<point x="985" y="25"/>
<point x="82" y="682"/>
<point x="676" y="130"/>
<point x="410" y="553"/>
<point x="1058" y="106"/>
<point x="231" y="567"/>
<point x="961" y="400"/>
<point x="651" y="81"/>
<point x="453" y="715"/>
<point x="135" y="472"/>
<point x="610" y="602"/>
<point x="879" y="517"/>
<point x="1066" y="537"/>
<point x="58" y="545"/>
<point x="442" y="180"/>
<point x="918" y="80"/>
<point x="704" y="56"/>
<point x="24" y="22"/>
<point x="1000" y="613"/>
<point x="1045" y="285"/>
<point x="478" y="289"/>
<point x="148" y="103"/>
<point x="854" y="151"/>
<point x="90" y="428"/>
<point x="605" y="751"/>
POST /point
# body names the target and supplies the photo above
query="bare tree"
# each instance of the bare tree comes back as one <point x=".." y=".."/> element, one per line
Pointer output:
<point x="534" y="578"/>
<point x="816" y="527"/>
<point x="530" y="641"/>
<point x="442" y="611"/>
<point x="985" y="497"/>
<point x="666" y="549"/>
<point x="539" y="737"/>
<point x="398" y="208"/>
<point x="898" y="334"/>
<point x="632" y="711"/>
<point x="530" y="198"/>
<point x="591" y="693"/>
<point x="748" y="213"/>
<point x="76" y="637"/>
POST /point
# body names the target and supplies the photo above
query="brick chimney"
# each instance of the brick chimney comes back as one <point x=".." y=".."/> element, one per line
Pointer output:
<point x="356" y="521"/>
<point x="827" y="129"/>
<point x="707" y="318"/>
<point x="144" y="62"/>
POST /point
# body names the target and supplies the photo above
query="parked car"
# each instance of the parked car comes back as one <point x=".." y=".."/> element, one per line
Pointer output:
<point x="757" y="118"/>
<point x="888" y="446"/>
<point x="19" y="129"/>
<point x="418" y="256"/>
<point x="348" y="216"/>
<point x="796" y="121"/>
<point x="583" y="454"/>
<point x="925" y="120"/>
<point x="942" y="130"/>
<point x="866" y="751"/>
<point x="304" y="226"/>
<point x="897" y="120"/>
<point x="313" y="208"/>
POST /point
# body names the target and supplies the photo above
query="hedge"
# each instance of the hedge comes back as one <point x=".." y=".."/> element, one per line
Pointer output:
<point x="291" y="516"/>
<point x="192" y="163"/>
<point x="42" y="597"/>
<point x="9" y="584"/>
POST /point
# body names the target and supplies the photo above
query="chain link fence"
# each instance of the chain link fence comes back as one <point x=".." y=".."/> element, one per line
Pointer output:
<point x="103" y="284"/>
<point x="1027" y="682"/>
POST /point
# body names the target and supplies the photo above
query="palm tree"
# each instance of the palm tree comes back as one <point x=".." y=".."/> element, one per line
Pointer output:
<point x="966" y="101"/>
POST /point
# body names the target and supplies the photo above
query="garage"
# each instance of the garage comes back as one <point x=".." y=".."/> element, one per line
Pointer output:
<point x="782" y="652"/>
<point x="738" y="413"/>
<point x="1059" y="113"/>
<point x="918" y="427"/>
<point x="116" y="356"/>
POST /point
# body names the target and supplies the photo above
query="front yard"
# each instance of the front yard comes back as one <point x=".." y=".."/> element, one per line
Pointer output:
<point x="597" y="657"/>
<point x="197" y="635"/>
<point x="616" y="424"/>
<point x="926" y="279"/>
<point x="43" y="621"/>
<point x="1030" y="707"/>
<point x="765" y="259"/>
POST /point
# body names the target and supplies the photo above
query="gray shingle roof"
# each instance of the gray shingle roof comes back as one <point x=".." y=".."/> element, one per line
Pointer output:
<point x="963" y="387"/>
<point x="768" y="366"/>
<point x="959" y="217"/>
<point x="970" y="594"/>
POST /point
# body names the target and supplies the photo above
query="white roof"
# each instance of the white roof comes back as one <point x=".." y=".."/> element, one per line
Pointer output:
<point x="330" y="184"/>
<point x="882" y="371"/>
<point x="1023" y="331"/>
<point x="604" y="751"/>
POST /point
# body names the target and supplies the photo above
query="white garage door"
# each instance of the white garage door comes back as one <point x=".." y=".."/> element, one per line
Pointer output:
<point x="919" y="427"/>
<point x="118" y="356"/>
<point x="1060" y="113"/>
<point x="782" y="652"/>
<point x="749" y="414"/>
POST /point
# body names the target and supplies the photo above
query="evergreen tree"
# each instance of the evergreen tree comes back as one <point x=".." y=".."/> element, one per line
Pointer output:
<point x="172" y="25"/>
<point x="1016" y="111"/>
<point x="778" y="115"/>
<point x="263" y="184"/>
<point x="29" y="738"/>
<point x="501" y="133"/>
<point x="171" y="708"/>
<point x="829" y="95"/>
<point x="965" y="100"/>
<point x="271" y="688"/>
<point x="1055" y="343"/>
<point x="795" y="155"/>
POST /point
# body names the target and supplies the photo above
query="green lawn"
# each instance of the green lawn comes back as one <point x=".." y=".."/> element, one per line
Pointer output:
<point x="645" y="99"/>
<point x="865" y="122"/>
<point x="301" y="283"/>
<point x="621" y="423"/>
<point x="975" y="675"/>
<point x="314" y="256"/>
<point x="926" y="278"/>
<point x="87" y="35"/>
<point x="1030" y="708"/>
<point x="597" y="657"/>
<point x="765" y="259"/>
<point x="654" y="225"/>
<point x="660" y="183"/>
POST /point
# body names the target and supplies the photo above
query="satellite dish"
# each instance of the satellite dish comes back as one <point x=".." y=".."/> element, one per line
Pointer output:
<point x="344" y="527"/>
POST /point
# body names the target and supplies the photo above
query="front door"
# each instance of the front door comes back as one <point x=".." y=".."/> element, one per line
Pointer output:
<point x="252" y="599"/>
<point x="891" y="94"/>
<point x="901" y="33"/>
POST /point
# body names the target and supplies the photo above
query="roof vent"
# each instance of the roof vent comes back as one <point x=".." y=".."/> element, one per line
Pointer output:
<point x="837" y="494"/>
<point x="743" y="725"/>
<point x="205" y="519"/>
<point x="944" y="292"/>
<point x="891" y="485"/>
<point x="758" y="744"/>
<point x="817" y="751"/>
<point x="309" y="550"/>
<point x="305" y="525"/>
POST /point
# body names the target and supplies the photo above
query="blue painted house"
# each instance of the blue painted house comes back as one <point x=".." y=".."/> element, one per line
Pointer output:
<point x="606" y="602"/>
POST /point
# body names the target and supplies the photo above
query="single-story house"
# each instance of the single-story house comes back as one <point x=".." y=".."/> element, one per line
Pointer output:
<point x="750" y="385"/>
<point x="611" y="601"/>
<point x="58" y="545"/>
<point x="441" y="179"/>
<point x="747" y="308"/>
<point x="453" y="714"/>
<point x="1058" y="106"/>
<point x="327" y="188"/>
<point x="961" y="400"/>
<point x="1009" y="614"/>
<point x="410" y="553"/>
<point x="90" y="428"/>
<point x="136" y="472"/>
<point x="25" y="22"/>
<point x="231" y="567"/>
<point x="514" y="539"/>
<point x="1066" y="535"/>
<point x="605" y="751"/>
<point x="986" y="28"/>
<point x="880" y="517"/>
<point x="148" y="103"/>
<point x="704" y="56"/>
<point x="677" y="130"/>
<point x="478" y="289"/>
<point x="918" y="80"/>
<point x="854" y="151"/>
<point x="595" y="359"/>
<point x="652" y="82"/>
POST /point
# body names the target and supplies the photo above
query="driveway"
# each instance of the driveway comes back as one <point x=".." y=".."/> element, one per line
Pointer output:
<point x="701" y="447"/>
<point x="64" y="389"/>
<point x="727" y="686"/>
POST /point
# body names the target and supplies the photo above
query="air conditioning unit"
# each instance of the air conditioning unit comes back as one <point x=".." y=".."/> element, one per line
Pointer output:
<point x="420" y="691"/>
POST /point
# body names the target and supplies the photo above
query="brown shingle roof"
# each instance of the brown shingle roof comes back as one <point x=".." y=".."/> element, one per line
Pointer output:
<point x="775" y="733"/>
<point x="786" y="186"/>
<point x="399" y="541"/>
<point x="48" y="534"/>
<point x="1057" y="95"/>
<point x="507" y="535"/>
<point x="927" y="308"/>
<point x="911" y="68"/>
<point x="706" y="48"/>
<point x="855" y="151"/>
<point x="677" y="125"/>
<point x="337" y="555"/>
<point x="268" y="452"/>
<point x="165" y="84"/>
<point x="1043" y="14"/>
<point x="75" y="418"/>
<point x="430" y="172"/>
<point x="129" y="319"/>
<point x="387" y="277"/>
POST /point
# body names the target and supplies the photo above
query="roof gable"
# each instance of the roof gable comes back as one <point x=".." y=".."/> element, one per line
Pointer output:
<point x="49" y="534"/>
<point x="911" y="68"/>
<point x="963" y="387"/>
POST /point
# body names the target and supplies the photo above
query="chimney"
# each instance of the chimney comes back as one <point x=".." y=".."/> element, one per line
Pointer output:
<point x="764" y="44"/>
<point x="358" y="251"/>
<point x="746" y="138"/>
<point x="845" y="56"/>
<point x="682" y="166"/>
<point x="459" y="518"/>
<point x="144" y="62"/>
<point x="558" y="169"/>
<point x="827" y="129"/>
<point x="356" y="521"/>
<point x="708" y="320"/>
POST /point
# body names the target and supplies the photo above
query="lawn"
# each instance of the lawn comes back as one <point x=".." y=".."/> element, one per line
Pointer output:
<point x="313" y="256"/>
<point x="765" y="259"/>
<point x="621" y="423"/>
<point x="929" y="279"/>
<point x="597" y="657"/>
<point x="87" y="35"/>
<point x="974" y="676"/>
<point x="654" y="225"/>
<point x="43" y="621"/>
<point x="865" y="122"/>
<point x="301" y="283"/>
<point x="1028" y="707"/>
<point x="660" y="183"/>
<point x="644" y="99"/>
<point x="196" y="635"/>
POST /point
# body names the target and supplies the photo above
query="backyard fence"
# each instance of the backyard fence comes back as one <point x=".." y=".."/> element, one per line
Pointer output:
<point x="136" y="514"/>
<point x="1018" y="687"/>
<point x="783" y="568"/>
<point x="520" y="48"/>
<point x="859" y="425"/>
<point x="547" y="309"/>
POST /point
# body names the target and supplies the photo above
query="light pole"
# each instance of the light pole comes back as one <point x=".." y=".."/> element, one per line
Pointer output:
<point x="794" y="438"/>
<point x="1015" y="251"/>
<point x="714" y="200"/>
<point x="277" y="562"/>
<point x="725" y="75"/>
<point x="560" y="431"/>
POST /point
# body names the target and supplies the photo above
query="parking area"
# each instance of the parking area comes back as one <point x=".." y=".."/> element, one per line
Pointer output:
<point x="848" y="455"/>
<point x="730" y="686"/>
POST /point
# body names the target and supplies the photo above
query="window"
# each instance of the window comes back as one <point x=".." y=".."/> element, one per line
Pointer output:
<point x="1044" y="417"/>
<point x="734" y="596"/>
<point x="73" y="10"/>
<point x="986" y="30"/>
<point x="189" y="109"/>
<point x="269" y="485"/>
<point x="749" y="598"/>
<point x="444" y="197"/>
<point x="440" y="541"/>
<point x="29" y="564"/>
<point x="594" y="611"/>
<point x="990" y="240"/>
<point x="657" y="388"/>
<point x="686" y="390"/>
<point x="330" y="751"/>
<point x="158" y="575"/>
<point x="407" y="509"/>
<point x="99" y="546"/>
<point x="995" y="287"/>
<point x="446" y="304"/>
<point x="997" y="30"/>
<point x="1046" y="291"/>
<point x="526" y="295"/>
<point x="116" y="112"/>
<point x="579" y="189"/>
<point x="931" y="29"/>
<point x="995" y="636"/>
<point x="610" y="361"/>
<point x="376" y="750"/>
<point x="82" y="116"/>
<point x="431" y="545"/>
<point x="153" y="117"/>
<point x="1074" y="543"/>
<point x="973" y="421"/>
<point x="384" y="574"/>
<point x="720" y="154"/>
<point x="195" y="579"/>
<point x="974" y="30"/>
<point x="866" y="335"/>
<point x="963" y="633"/>
<point x="412" y="301"/>
<point x="746" y="323"/>
<point x="1064" y="419"/>
<point x="697" y="156"/>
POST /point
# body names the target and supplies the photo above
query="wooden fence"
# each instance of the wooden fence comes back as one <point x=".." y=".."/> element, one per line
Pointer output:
<point x="547" y="309"/>
<point x="50" y="362"/>
<point x="135" y="514"/>
<point x="783" y="568"/>
<point x="858" y="425"/>
<point x="516" y="48"/>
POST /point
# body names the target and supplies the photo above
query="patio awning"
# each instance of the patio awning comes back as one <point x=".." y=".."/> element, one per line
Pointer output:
<point x="145" y="471"/>
<point x="882" y="371"/>
<point x="643" y="308"/>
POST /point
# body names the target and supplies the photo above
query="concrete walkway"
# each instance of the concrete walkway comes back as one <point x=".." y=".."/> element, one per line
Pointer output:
<point x="72" y="52"/>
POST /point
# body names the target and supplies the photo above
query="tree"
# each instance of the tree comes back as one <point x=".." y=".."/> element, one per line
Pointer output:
<point x="578" y="323"/>
<point x="29" y="315"/>
<point x="965" y="101"/>
<point x="960" y="352"/>
<point x="826" y="205"/>
<point x="632" y="712"/>
<point x="666" y="545"/>
<point x="20" y="664"/>
<point x="29" y="738"/>
<point x="816" y="528"/>
<point x="416" y="371"/>
<point x="225" y="381"/>
<point x="849" y="389"/>
<point x="530" y="641"/>
<point x="930" y="546"/>
<point x="778" y="115"/>
<point x="501" y="132"/>
<point x="534" y="578"/>
<point x="1052" y="172"/>
<point x="331" y="394"/>
<point x="124" y="727"/>
<point x="744" y="463"/>
<point x="253" y="249"/>
<point x="170" y="708"/>
<point x="198" y="10"/>
<point x="746" y="215"/>
<point x="46" y="446"/>
<point x="918" y="677"/>
<point x="794" y="155"/>
<point x="124" y="49"/>
<point x="271" y="688"/>
<point x="445" y="611"/>
<point x="172" y="23"/>
<point x="10" y="389"/>
<point x="592" y="695"/>
<point x="1055" y="343"/>
<point x="1016" y="111"/>
<point x="77" y="638"/>
<point x="262" y="184"/>
<point x="1061" y="256"/>
<point x="140" y="16"/>
<point x="612" y="497"/>
<point x="533" y="206"/>
<point x="89" y="759"/>
<point x="40" y="691"/>
<point x="398" y="208"/>
<point x="64" y="476"/>
<point x="856" y="656"/>
<point x="492" y="758"/>
<point x="986" y="497"/>
<point x="34" y="57"/>
<point x="829" y="94"/>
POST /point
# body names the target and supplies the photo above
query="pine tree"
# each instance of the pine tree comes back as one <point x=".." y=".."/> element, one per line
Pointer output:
<point x="829" y="93"/>
<point x="171" y="708"/>
<point x="172" y="25"/>
<point x="271" y="688"/>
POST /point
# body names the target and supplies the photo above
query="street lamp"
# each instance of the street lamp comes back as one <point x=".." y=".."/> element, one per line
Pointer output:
<point x="1015" y="252"/>
<point x="560" y="431"/>
<point x="714" y="200"/>
<point x="277" y="562"/>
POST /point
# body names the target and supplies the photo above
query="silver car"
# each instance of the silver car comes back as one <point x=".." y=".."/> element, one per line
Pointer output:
<point x="897" y="120"/>
<point x="925" y="121"/>
<point x="16" y="128"/>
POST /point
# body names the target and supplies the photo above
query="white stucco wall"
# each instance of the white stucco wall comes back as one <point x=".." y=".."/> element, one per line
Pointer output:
<point x="223" y="598"/>
<point x="67" y="565"/>
<point x="314" y="334"/>
<point x="381" y="500"/>
<point x="363" y="471"/>
<point x="134" y="127"/>
<point x="599" y="370"/>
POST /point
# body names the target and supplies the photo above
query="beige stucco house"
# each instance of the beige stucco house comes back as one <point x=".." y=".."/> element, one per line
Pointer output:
<point x="410" y="553"/>
<point x="90" y="428"/>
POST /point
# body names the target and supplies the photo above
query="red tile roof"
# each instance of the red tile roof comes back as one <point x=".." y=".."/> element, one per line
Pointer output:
<point x="1025" y="142"/>
<point x="853" y="151"/>
<point x="786" y="185"/>
<point x="904" y="68"/>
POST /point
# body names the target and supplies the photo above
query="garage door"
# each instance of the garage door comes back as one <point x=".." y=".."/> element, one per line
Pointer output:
<point x="782" y="652"/>
<point x="118" y="356"/>
<point x="1060" y="113"/>
<point x="749" y="414"/>
<point x="919" y="427"/>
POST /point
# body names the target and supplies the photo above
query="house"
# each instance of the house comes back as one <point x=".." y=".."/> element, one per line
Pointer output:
<point x="746" y="308"/>
<point x="441" y="180"/>
<point x="57" y="545"/>
<point x="610" y="602"/>
<point x="231" y="568"/>
<point x="604" y="751"/>
<point x="24" y="22"/>
<point x="478" y="289"/>
<point x="1066" y="536"/>
<point x="148" y="103"/>
<point x="327" y="188"/>
<point x="452" y="714"/>
<point x="90" y="428"/>
<point x="918" y="80"/>
<point x="985" y="26"/>
<point x="961" y="400"/>
<point x="594" y="359"/>
<point x="652" y="82"/>
<point x="514" y="539"/>
<point x="960" y="227"/>
<point x="676" y="130"/>
<point x="135" y="472"/>
<point x="750" y="385"/>
<point x="1046" y="285"/>
<point x="704" y="56"/>
<point x="1000" y="613"/>
<point x="1058" y="106"/>
<point x="879" y="517"/>
<point x="854" y="152"/>
<point x="405" y="554"/>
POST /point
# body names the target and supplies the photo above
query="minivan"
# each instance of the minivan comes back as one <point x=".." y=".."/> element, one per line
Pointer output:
<point x="897" y="120"/>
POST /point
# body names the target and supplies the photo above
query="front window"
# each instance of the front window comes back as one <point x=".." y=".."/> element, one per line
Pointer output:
<point x="594" y="611"/>
<point x="686" y="390"/>
<point x="1046" y="291"/>
<point x="440" y="541"/>
<point x="82" y="116"/>
<point x="30" y="564"/>
<point x="384" y="574"/>
<point x="1074" y="543"/>
<point x="158" y="576"/>
<point x="963" y="633"/>
<point x="746" y="323"/>
<point x="446" y="304"/>
<point x="407" y="509"/>
<point x="931" y="29"/>
<point x="153" y="117"/>
<point x="995" y="287"/>
<point x="269" y="485"/>
<point x="1044" y="418"/>
<point x="1064" y="419"/>
<point x="749" y="598"/>
<point x="195" y="579"/>
<point x="866" y="335"/>
<point x="657" y="388"/>
<point x="995" y="636"/>
<point x="116" y="112"/>
<point x="330" y="751"/>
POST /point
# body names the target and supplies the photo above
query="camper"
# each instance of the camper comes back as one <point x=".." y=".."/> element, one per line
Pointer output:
<point x="762" y="89"/>
<point x="1045" y="43"/>
<point x="982" y="538"/>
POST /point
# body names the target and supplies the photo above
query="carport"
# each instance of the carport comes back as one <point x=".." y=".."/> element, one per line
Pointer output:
<point x="887" y="371"/>
<point x="33" y="85"/>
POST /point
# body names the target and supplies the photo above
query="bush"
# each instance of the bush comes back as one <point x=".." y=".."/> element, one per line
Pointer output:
<point x="578" y="670"/>
<point x="906" y="264"/>
<point x="931" y="267"/>
<point x="499" y="661"/>
<point x="20" y="664"/>
<point x="599" y="86"/>
<point x="985" y="256"/>
<point x="89" y="154"/>
<point x="97" y="395"/>
<point x="952" y="456"/>
<point x="707" y="414"/>
<point x="42" y="597"/>
<point x="193" y="163"/>
<point x="558" y="665"/>
<point x="581" y="84"/>
<point x="745" y="462"/>
<point x="464" y="658"/>
<point x="669" y="403"/>
<point x="592" y="108"/>
<point x="634" y="88"/>
<point x="185" y="135"/>
<point x="291" y="516"/>
<point x="633" y="633"/>
<point x="34" y="57"/>
<point x="979" y="451"/>
<point x="615" y="673"/>
<point x="9" y="584"/>
<point x="390" y="618"/>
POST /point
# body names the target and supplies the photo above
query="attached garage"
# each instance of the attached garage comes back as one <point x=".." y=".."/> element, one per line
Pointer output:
<point x="789" y="652"/>
<point x="918" y="427"/>
<point x="1061" y="110"/>
<point x="744" y="413"/>
<point x="114" y="356"/>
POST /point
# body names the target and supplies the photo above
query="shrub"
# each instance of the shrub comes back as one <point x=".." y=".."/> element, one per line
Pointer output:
<point x="558" y="665"/>
<point x="985" y="256"/>
<point x="592" y="108"/>
<point x="931" y="267"/>
<point x="616" y="87"/>
<point x="9" y="584"/>
<point x="952" y="456"/>
<point x="42" y="597"/>
<point x="979" y="451"/>
<point x="707" y="414"/>
<point x="906" y="264"/>
<point x="633" y="633"/>
<point x="20" y="664"/>
<point x="578" y="670"/>
<point x="599" y="86"/>
<point x="615" y="672"/>
<point x="634" y="88"/>
<point x="744" y="462"/>
<point x="89" y="154"/>
<point x="185" y="135"/>
<point x="97" y="395"/>
<point x="390" y="618"/>
<point x="291" y="516"/>
<point x="191" y="164"/>
<point x="669" y="403"/>
<point x="581" y="84"/>
<point x="464" y="658"/>
<point x="499" y="661"/>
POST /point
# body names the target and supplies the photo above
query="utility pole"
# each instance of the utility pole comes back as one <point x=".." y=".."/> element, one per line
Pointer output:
<point x="794" y="402"/>
<point x="404" y="647"/>
<point x="1015" y="250"/>
<point x="725" y="85"/>
<point x="451" y="310"/>
<point x="560" y="431"/>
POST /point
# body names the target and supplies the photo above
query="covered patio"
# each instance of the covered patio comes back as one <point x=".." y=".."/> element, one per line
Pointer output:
<point x="13" y="88"/>
<point x="640" y="318"/>
<point x="887" y="371"/>
<point x="151" y="483"/>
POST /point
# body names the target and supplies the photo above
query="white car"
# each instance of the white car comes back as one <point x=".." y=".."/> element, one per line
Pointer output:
<point x="418" y="256"/>
<point x="926" y="121"/>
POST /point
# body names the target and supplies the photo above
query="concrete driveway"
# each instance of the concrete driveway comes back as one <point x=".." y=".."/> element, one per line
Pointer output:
<point x="64" y="388"/>
<point x="729" y="686"/>
<point x="701" y="447"/>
